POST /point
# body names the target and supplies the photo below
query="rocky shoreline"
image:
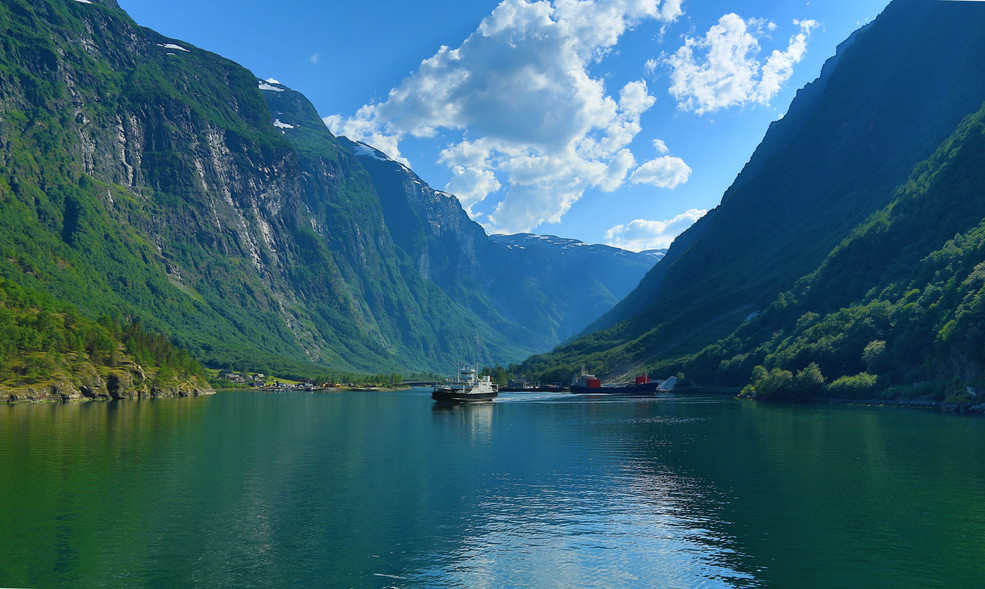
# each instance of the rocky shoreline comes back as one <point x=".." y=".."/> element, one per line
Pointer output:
<point x="86" y="383"/>
<point x="929" y="404"/>
<point x="924" y="403"/>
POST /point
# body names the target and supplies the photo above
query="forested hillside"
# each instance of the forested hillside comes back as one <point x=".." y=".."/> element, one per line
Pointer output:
<point x="898" y="308"/>
<point x="49" y="351"/>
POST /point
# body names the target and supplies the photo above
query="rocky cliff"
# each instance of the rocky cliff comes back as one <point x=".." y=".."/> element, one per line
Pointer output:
<point x="88" y="382"/>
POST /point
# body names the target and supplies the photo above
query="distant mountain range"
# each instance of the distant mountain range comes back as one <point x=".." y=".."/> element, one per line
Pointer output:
<point x="843" y="260"/>
<point x="144" y="179"/>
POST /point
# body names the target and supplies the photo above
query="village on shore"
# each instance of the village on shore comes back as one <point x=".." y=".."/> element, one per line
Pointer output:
<point x="230" y="379"/>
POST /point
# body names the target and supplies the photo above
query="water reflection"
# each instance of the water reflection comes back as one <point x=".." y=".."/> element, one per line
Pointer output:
<point x="554" y="490"/>
<point x="471" y="419"/>
<point x="579" y="493"/>
<point x="74" y="481"/>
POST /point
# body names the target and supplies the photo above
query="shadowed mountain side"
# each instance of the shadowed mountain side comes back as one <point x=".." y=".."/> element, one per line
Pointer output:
<point x="893" y="93"/>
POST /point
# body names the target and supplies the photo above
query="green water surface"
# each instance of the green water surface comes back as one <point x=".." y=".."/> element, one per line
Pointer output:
<point x="546" y="490"/>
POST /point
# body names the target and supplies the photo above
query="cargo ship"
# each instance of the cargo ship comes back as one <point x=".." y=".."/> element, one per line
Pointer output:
<point x="466" y="387"/>
<point x="585" y="383"/>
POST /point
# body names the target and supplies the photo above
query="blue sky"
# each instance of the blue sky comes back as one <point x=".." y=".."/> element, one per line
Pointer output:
<point x="609" y="121"/>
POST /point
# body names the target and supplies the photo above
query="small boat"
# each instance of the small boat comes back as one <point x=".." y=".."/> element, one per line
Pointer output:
<point x="467" y="387"/>
<point x="585" y="383"/>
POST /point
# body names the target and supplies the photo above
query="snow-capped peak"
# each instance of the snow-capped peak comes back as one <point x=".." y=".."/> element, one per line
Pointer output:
<point x="363" y="150"/>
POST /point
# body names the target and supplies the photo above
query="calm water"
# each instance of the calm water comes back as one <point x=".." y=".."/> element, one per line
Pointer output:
<point x="385" y="490"/>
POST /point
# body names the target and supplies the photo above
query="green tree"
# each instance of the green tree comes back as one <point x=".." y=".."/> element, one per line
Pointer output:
<point x="872" y="355"/>
<point x="808" y="383"/>
<point x="859" y="386"/>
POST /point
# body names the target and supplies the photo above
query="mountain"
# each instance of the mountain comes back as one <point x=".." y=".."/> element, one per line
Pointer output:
<point x="520" y="284"/>
<point x="895" y="93"/>
<point x="577" y="281"/>
<point x="144" y="178"/>
<point x="895" y="309"/>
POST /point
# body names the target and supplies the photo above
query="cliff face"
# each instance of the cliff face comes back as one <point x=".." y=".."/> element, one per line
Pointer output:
<point x="141" y="176"/>
<point x="167" y="180"/>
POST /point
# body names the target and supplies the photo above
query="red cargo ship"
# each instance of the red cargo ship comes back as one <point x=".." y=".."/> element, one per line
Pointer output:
<point x="586" y="383"/>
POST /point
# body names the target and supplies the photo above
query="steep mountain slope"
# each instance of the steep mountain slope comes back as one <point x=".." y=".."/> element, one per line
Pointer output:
<point x="517" y="285"/>
<point x="438" y="239"/>
<point x="887" y="101"/>
<point x="900" y="301"/>
<point x="539" y="290"/>
<point x="145" y="178"/>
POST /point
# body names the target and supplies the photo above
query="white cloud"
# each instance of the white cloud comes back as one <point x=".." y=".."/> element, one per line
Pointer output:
<point x="314" y="59"/>
<point x="471" y="185"/>
<point x="660" y="146"/>
<point x="779" y="66"/>
<point x="663" y="172"/>
<point x="641" y="234"/>
<point x="722" y="69"/>
<point x="362" y="128"/>
<point x="523" y="116"/>
<point x="529" y="205"/>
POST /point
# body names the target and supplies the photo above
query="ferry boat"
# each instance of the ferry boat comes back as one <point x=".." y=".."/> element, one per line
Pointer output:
<point x="467" y="387"/>
<point x="585" y="383"/>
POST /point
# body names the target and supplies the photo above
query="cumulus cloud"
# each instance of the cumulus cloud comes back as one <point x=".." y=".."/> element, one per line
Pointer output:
<point x="642" y="235"/>
<point x="362" y="128"/>
<point x="546" y="129"/>
<point x="471" y="185"/>
<point x="663" y="172"/>
<point x="722" y="69"/>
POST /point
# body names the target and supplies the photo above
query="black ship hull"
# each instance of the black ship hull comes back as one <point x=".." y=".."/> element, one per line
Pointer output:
<point x="460" y="396"/>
